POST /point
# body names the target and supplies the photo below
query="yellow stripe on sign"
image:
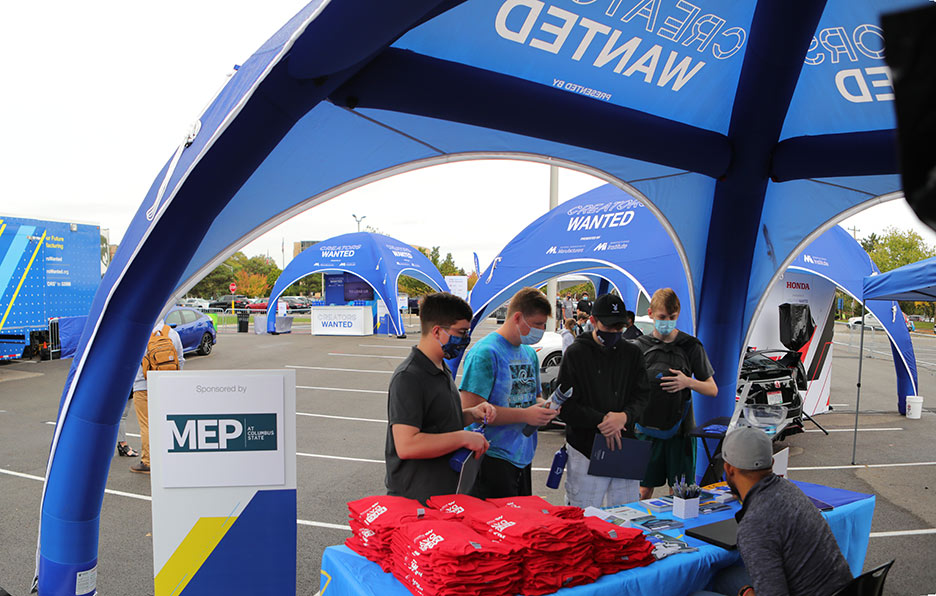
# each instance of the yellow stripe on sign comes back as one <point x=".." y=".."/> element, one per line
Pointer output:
<point x="22" y="279"/>
<point x="2" y="227"/>
<point x="191" y="554"/>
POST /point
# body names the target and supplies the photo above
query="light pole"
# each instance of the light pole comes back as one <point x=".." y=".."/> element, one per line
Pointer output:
<point x="358" y="220"/>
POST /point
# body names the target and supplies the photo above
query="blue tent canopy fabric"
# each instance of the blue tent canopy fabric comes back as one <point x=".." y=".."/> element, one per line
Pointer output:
<point x="710" y="111"/>
<point x="916" y="281"/>
<point x="377" y="259"/>
<point x="606" y="233"/>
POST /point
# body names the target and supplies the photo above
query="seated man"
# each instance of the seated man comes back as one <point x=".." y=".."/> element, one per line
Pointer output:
<point x="785" y="543"/>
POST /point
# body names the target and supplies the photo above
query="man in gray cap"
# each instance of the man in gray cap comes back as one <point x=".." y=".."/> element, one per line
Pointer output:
<point x="785" y="543"/>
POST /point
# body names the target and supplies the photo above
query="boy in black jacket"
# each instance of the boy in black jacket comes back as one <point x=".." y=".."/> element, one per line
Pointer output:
<point x="610" y="390"/>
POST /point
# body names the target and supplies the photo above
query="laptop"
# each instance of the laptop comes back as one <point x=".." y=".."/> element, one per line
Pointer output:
<point x="723" y="533"/>
<point x="628" y="462"/>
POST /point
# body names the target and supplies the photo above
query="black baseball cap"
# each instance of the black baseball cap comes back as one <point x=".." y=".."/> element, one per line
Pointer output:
<point x="609" y="309"/>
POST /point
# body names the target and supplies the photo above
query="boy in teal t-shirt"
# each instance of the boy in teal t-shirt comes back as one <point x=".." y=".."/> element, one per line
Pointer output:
<point x="503" y="370"/>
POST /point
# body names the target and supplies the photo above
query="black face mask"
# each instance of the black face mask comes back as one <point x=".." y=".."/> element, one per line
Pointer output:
<point x="608" y="338"/>
<point x="455" y="346"/>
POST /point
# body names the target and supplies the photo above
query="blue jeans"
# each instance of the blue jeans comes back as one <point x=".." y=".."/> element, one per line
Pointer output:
<point x="727" y="582"/>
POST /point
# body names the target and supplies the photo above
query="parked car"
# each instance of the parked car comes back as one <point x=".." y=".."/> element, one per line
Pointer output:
<point x="259" y="304"/>
<point x="196" y="330"/>
<point x="549" y="350"/>
<point x="296" y="302"/>
<point x="230" y="301"/>
<point x="871" y="322"/>
<point x="195" y="303"/>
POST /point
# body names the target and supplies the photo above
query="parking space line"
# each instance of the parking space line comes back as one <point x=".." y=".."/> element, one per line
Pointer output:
<point x="397" y="347"/>
<point x="341" y="458"/>
<point x="379" y="372"/>
<point x="851" y="430"/>
<point x="857" y="466"/>
<point x="341" y="417"/>
<point x="367" y="355"/>
<point x="340" y="389"/>
<point x="903" y="533"/>
<point x="120" y="493"/>
<point x="303" y="522"/>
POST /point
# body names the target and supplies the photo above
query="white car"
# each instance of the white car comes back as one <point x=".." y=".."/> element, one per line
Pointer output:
<point x="871" y="322"/>
<point x="549" y="350"/>
<point x="195" y="303"/>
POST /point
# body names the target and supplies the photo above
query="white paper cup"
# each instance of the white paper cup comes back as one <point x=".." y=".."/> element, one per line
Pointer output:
<point x="914" y="406"/>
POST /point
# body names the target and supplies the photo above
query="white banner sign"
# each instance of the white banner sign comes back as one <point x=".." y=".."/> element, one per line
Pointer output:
<point x="342" y="320"/>
<point x="458" y="285"/>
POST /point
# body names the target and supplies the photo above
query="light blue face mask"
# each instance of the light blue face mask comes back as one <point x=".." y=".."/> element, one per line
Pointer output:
<point x="664" y="327"/>
<point x="534" y="336"/>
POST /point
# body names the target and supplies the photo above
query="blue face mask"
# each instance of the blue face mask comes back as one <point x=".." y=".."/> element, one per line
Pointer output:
<point x="533" y="337"/>
<point x="455" y="346"/>
<point x="664" y="327"/>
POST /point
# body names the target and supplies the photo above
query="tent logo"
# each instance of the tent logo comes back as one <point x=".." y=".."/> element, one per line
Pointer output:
<point x="822" y="261"/>
<point x="797" y="285"/>
<point x="600" y="246"/>
<point x="551" y="250"/>
<point x="200" y="433"/>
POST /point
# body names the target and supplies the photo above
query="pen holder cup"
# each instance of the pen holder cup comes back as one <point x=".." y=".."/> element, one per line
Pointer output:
<point x="685" y="508"/>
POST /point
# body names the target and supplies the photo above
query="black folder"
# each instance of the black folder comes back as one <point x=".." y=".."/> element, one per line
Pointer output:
<point x="628" y="462"/>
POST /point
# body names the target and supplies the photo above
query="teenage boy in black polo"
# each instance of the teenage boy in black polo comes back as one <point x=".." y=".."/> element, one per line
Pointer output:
<point x="425" y="417"/>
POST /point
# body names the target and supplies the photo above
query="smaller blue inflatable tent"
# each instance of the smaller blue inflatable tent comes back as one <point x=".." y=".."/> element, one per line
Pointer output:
<point x="377" y="259"/>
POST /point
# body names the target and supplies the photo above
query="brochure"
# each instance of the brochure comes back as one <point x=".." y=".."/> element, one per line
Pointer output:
<point x="664" y="546"/>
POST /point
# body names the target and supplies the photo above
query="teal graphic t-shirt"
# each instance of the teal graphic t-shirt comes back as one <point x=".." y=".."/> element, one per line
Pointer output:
<point x="507" y="376"/>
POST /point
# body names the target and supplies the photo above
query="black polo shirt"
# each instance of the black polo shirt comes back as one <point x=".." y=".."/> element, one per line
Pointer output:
<point x="425" y="396"/>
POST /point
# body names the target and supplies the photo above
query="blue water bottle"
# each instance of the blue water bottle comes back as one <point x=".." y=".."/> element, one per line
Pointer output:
<point x="558" y="466"/>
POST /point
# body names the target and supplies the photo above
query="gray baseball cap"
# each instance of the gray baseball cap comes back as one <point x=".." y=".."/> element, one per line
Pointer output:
<point x="748" y="448"/>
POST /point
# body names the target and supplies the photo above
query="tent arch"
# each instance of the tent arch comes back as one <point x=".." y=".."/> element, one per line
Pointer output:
<point x="803" y="245"/>
<point x="419" y="164"/>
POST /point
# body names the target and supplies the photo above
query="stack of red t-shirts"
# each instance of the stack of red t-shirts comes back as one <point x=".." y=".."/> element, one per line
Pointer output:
<point x="436" y="558"/>
<point x="373" y="521"/>
<point x="540" y="504"/>
<point x="458" y="506"/>
<point x="556" y="553"/>
<point x="617" y="548"/>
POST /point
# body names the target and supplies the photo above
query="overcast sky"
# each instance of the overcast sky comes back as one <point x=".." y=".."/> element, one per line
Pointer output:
<point x="99" y="94"/>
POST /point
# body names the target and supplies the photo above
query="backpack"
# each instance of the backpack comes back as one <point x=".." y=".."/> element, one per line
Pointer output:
<point x="160" y="352"/>
<point x="665" y="411"/>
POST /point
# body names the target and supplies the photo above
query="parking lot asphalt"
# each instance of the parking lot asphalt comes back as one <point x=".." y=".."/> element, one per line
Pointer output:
<point x="341" y="429"/>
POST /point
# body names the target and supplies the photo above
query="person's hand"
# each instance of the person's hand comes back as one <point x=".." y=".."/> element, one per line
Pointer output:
<point x="611" y="427"/>
<point x="539" y="414"/>
<point x="483" y="412"/>
<point x="677" y="382"/>
<point x="475" y="442"/>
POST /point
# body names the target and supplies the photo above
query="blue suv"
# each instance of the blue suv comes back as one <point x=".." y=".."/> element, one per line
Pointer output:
<point x="195" y="329"/>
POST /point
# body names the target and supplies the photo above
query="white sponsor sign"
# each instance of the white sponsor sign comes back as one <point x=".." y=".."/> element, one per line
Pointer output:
<point x="342" y="320"/>
<point x="402" y="301"/>
<point x="458" y="285"/>
<point x="216" y="439"/>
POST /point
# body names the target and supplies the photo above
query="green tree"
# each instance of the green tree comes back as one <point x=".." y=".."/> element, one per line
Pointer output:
<point x="896" y="248"/>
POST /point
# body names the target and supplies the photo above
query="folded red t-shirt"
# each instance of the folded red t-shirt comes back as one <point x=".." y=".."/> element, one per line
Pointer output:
<point x="540" y="504"/>
<point x="459" y="505"/>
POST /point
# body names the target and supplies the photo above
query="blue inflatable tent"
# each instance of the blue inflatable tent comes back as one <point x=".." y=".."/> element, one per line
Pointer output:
<point x="377" y="259"/>
<point x="749" y="127"/>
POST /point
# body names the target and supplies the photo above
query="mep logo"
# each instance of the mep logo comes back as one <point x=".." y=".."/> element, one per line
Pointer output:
<point x="600" y="246"/>
<point x="211" y="433"/>
<point x="815" y="260"/>
<point x="551" y="250"/>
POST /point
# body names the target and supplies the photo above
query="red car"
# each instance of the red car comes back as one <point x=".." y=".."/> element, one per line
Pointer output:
<point x="260" y="304"/>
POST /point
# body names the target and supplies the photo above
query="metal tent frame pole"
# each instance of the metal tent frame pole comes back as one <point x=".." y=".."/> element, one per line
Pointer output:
<point x="858" y="394"/>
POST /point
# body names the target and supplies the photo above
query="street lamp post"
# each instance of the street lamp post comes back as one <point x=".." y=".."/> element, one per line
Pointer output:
<point x="358" y="220"/>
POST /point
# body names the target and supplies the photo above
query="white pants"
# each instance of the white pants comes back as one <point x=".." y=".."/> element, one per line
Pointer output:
<point x="583" y="490"/>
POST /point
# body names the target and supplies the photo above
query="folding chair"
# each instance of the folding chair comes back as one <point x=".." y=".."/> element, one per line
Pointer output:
<point x="870" y="583"/>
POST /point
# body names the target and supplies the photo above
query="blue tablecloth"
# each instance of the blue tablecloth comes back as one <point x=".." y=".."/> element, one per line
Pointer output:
<point x="345" y="573"/>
